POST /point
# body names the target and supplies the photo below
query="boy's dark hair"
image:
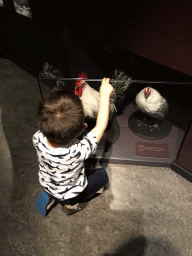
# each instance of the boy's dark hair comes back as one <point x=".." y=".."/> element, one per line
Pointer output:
<point x="61" y="117"/>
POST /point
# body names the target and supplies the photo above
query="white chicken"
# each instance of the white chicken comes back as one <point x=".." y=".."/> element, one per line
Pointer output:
<point x="90" y="97"/>
<point x="150" y="102"/>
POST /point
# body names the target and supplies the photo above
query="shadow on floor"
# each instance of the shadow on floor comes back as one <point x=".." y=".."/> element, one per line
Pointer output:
<point x="140" y="246"/>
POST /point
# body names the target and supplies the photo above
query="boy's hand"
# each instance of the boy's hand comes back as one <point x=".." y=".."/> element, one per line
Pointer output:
<point x="106" y="88"/>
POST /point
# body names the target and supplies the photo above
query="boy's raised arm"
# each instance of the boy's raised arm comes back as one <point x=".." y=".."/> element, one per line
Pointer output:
<point x="103" y="113"/>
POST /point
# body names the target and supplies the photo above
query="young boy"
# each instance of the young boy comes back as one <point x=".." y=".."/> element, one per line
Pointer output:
<point x="61" y="156"/>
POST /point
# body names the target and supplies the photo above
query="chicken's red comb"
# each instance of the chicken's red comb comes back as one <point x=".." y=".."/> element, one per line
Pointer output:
<point x="83" y="75"/>
<point x="148" y="89"/>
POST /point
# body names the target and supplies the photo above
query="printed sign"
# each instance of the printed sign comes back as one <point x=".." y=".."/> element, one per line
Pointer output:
<point x="152" y="150"/>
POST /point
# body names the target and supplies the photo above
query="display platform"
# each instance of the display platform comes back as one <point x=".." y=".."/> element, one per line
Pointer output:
<point x="147" y="127"/>
<point x="134" y="150"/>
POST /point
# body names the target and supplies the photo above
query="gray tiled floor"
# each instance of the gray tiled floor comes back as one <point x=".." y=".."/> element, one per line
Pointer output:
<point x="146" y="210"/>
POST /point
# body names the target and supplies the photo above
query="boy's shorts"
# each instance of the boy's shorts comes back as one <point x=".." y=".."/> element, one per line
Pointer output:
<point x="97" y="178"/>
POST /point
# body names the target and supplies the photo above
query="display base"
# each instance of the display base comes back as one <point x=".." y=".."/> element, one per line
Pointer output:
<point x="148" y="128"/>
<point x="131" y="149"/>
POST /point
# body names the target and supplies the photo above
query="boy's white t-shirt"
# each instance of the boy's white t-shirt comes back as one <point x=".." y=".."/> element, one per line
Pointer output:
<point x="61" y="170"/>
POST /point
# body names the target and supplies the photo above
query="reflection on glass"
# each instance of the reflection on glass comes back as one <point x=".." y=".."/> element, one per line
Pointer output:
<point x="22" y="7"/>
<point x="1" y="3"/>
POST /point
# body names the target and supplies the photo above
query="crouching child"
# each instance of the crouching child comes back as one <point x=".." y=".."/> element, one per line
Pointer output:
<point x="61" y="155"/>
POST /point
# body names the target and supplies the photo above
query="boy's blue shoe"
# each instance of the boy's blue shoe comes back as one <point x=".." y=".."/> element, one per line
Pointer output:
<point x="44" y="203"/>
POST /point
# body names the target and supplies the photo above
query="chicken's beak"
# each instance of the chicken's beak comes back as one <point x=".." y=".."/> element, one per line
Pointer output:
<point x="146" y="95"/>
<point x="147" y="92"/>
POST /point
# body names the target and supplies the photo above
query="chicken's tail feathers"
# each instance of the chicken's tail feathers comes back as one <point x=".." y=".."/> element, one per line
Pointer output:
<point x="119" y="89"/>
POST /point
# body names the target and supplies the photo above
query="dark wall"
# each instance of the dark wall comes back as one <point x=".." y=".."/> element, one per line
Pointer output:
<point x="156" y="30"/>
<point x="29" y="41"/>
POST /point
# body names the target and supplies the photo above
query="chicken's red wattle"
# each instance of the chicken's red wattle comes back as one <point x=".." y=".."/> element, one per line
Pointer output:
<point x="80" y="85"/>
